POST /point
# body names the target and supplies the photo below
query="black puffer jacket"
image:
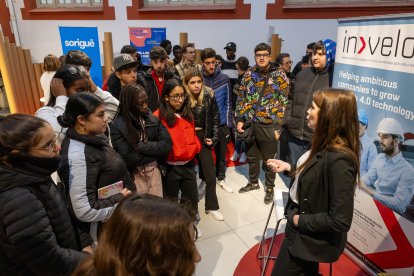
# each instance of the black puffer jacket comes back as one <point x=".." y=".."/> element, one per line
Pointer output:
<point x="89" y="163"/>
<point x="157" y="147"/>
<point x="151" y="88"/>
<point x="36" y="233"/>
<point x="207" y="117"/>
<point x="300" y="99"/>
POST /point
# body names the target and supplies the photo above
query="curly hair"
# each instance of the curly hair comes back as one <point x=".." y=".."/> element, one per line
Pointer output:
<point x="146" y="235"/>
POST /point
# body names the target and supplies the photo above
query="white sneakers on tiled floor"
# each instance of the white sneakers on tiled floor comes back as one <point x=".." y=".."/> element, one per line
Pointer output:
<point x="224" y="243"/>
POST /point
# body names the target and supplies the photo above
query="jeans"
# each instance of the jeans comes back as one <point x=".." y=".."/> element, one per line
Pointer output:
<point x="297" y="147"/>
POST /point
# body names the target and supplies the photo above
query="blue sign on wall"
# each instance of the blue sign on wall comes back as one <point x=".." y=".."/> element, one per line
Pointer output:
<point x="86" y="40"/>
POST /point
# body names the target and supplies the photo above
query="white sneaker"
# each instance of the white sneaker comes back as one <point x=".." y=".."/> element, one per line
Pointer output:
<point x="224" y="186"/>
<point x="243" y="158"/>
<point x="235" y="156"/>
<point x="216" y="214"/>
<point x="201" y="190"/>
<point x="199" y="233"/>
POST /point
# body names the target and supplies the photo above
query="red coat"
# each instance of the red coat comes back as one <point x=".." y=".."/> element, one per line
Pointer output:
<point x="185" y="144"/>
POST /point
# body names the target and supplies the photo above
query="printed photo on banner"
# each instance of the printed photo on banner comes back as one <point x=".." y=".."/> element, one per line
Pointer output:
<point x="86" y="40"/>
<point x="375" y="59"/>
<point x="143" y="39"/>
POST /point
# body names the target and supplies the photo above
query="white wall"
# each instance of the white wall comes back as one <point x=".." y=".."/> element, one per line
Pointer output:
<point x="42" y="37"/>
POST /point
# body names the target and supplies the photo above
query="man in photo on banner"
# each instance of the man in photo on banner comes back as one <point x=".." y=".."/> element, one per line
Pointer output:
<point x="391" y="178"/>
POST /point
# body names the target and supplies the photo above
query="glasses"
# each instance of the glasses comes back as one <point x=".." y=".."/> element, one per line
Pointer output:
<point x="73" y="70"/>
<point x="51" y="146"/>
<point x="262" y="55"/>
<point x="178" y="97"/>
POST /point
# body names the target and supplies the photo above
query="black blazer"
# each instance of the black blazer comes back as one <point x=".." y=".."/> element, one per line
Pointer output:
<point x="326" y="189"/>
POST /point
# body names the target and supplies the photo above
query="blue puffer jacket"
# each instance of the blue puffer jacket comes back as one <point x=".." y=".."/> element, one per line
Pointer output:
<point x="220" y="83"/>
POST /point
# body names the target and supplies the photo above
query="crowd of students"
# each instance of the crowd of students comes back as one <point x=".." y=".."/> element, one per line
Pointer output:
<point x="119" y="150"/>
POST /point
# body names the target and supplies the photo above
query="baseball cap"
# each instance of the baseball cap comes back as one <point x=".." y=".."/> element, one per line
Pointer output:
<point x="123" y="60"/>
<point x="231" y="46"/>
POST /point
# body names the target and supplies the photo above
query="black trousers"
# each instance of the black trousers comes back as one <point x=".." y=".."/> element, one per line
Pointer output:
<point x="207" y="173"/>
<point x="182" y="178"/>
<point x="206" y="165"/>
<point x="221" y="150"/>
<point x="288" y="265"/>
<point x="263" y="147"/>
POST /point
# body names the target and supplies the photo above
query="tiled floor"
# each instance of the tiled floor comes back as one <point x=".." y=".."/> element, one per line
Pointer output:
<point x="224" y="243"/>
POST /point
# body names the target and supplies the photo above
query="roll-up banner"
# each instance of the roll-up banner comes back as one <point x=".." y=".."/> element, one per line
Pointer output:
<point x="375" y="59"/>
<point x="86" y="40"/>
<point x="143" y="39"/>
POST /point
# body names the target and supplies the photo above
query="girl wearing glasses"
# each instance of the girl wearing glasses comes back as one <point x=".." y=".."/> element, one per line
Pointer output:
<point x="36" y="232"/>
<point x="176" y="115"/>
<point x="146" y="235"/>
<point x="90" y="166"/>
<point x="206" y="119"/>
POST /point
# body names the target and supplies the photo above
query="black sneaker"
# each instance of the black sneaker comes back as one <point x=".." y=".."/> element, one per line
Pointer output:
<point x="269" y="195"/>
<point x="249" y="187"/>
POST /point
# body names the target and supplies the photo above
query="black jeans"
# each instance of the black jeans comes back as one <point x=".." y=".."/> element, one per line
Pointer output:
<point x="182" y="178"/>
<point x="263" y="147"/>
<point x="221" y="150"/>
<point x="288" y="265"/>
<point x="207" y="173"/>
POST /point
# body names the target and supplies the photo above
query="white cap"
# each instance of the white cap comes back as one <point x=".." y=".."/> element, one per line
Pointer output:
<point x="391" y="126"/>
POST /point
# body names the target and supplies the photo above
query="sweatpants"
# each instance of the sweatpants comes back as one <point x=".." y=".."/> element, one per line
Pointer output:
<point x="263" y="147"/>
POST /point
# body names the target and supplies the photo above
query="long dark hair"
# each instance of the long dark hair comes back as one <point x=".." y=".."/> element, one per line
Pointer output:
<point x="166" y="111"/>
<point x="68" y="74"/>
<point x="18" y="134"/>
<point x="145" y="235"/>
<point x="337" y="128"/>
<point x="129" y="112"/>
<point x="82" y="103"/>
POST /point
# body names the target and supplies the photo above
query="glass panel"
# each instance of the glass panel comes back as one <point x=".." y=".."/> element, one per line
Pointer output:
<point x="154" y="2"/>
<point x="228" y="2"/>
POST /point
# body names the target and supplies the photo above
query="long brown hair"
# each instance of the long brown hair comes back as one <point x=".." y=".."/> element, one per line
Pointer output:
<point x="194" y="72"/>
<point x="337" y="128"/>
<point x="145" y="235"/>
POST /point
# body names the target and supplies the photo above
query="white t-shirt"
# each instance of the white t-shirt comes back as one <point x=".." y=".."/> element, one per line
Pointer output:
<point x="293" y="192"/>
